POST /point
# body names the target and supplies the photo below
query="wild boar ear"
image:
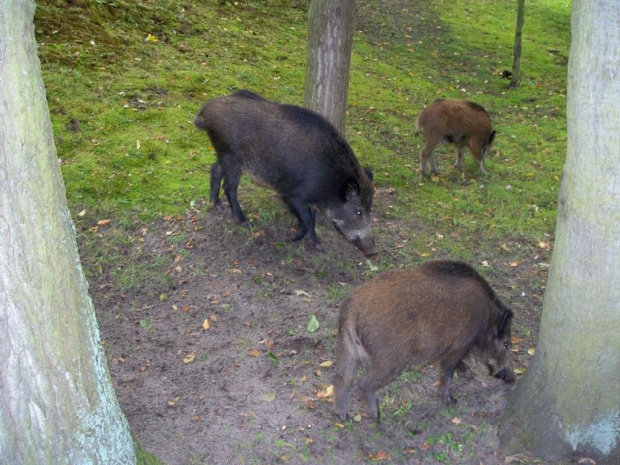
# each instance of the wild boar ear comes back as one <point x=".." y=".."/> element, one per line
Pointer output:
<point x="348" y="189"/>
<point x="368" y="172"/>
<point x="503" y="325"/>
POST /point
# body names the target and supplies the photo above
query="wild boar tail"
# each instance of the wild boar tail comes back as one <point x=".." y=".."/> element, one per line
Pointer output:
<point x="350" y="352"/>
<point x="417" y="126"/>
<point x="200" y="120"/>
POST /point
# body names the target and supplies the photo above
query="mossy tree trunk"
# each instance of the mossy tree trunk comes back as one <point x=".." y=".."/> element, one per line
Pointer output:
<point x="57" y="404"/>
<point x="516" y="60"/>
<point x="568" y="403"/>
<point x="330" y="38"/>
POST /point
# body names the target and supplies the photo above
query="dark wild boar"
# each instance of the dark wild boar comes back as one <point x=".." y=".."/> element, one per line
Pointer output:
<point x="436" y="313"/>
<point x="457" y="122"/>
<point x="294" y="151"/>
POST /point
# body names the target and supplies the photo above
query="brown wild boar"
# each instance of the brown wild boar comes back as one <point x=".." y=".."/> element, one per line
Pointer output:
<point x="435" y="313"/>
<point x="457" y="122"/>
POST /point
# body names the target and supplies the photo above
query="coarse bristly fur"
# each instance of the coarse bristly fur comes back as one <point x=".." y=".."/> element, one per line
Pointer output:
<point x="435" y="313"/>
<point x="294" y="151"/>
<point x="456" y="122"/>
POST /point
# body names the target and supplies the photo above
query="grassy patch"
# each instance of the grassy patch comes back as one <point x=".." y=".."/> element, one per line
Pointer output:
<point x="125" y="80"/>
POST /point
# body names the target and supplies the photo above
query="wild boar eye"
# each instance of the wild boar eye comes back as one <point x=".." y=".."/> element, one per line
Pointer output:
<point x="506" y="345"/>
<point x="359" y="213"/>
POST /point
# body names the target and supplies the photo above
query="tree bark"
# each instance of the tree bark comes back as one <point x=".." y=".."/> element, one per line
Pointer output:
<point x="330" y="38"/>
<point x="57" y="404"/>
<point x="516" y="59"/>
<point x="568" y="403"/>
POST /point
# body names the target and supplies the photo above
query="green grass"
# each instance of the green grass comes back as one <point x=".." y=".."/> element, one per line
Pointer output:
<point x="122" y="106"/>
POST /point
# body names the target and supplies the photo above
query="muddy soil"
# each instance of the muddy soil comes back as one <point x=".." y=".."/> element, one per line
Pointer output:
<point x="213" y="360"/>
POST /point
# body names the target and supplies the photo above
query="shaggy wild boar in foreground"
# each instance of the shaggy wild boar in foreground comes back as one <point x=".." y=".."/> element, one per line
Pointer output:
<point x="457" y="122"/>
<point x="435" y="313"/>
<point x="296" y="152"/>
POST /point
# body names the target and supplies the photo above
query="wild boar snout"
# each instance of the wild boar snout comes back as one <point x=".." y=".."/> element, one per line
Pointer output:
<point x="506" y="375"/>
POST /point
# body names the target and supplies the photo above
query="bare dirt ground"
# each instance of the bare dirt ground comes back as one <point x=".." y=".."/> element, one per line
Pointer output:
<point x="253" y="387"/>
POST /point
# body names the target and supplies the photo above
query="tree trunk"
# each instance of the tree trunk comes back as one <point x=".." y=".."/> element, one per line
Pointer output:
<point x="57" y="404"/>
<point x="330" y="38"/>
<point x="568" y="403"/>
<point x="516" y="60"/>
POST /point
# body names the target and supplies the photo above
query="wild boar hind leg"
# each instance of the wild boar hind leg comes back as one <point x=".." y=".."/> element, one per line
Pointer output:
<point x="216" y="181"/>
<point x="428" y="154"/>
<point x="232" y="177"/>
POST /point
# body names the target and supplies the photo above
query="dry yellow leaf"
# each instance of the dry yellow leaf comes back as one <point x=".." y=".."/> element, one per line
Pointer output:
<point x="206" y="325"/>
<point x="190" y="358"/>
<point x="326" y="364"/>
<point x="253" y="353"/>
<point x="327" y="392"/>
<point x="531" y="351"/>
<point x="379" y="456"/>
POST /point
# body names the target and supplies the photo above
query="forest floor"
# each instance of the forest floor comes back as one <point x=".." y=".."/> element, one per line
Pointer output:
<point x="254" y="386"/>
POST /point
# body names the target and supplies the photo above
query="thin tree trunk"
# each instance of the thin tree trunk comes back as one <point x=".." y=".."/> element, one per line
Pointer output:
<point x="516" y="60"/>
<point x="57" y="404"/>
<point x="330" y="38"/>
<point x="568" y="403"/>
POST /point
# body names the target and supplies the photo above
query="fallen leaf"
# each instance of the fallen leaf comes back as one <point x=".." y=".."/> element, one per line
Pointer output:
<point x="103" y="222"/>
<point x="313" y="324"/>
<point x="206" y="325"/>
<point x="269" y="397"/>
<point x="531" y="351"/>
<point x="513" y="264"/>
<point x="326" y="364"/>
<point x="82" y="213"/>
<point x="225" y="293"/>
<point x="516" y="340"/>
<point x="151" y="38"/>
<point x="253" y="352"/>
<point x="357" y="418"/>
<point x="213" y="317"/>
<point x="456" y="421"/>
<point x="190" y="358"/>
<point x="300" y="293"/>
<point x="326" y="393"/>
<point x="520" y="371"/>
<point x="485" y="263"/>
<point x="379" y="456"/>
